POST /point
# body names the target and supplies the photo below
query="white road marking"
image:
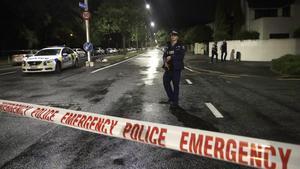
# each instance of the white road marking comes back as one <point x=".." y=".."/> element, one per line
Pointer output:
<point x="214" y="110"/>
<point x="113" y="65"/>
<point x="188" y="69"/>
<point x="4" y="66"/>
<point x="291" y="79"/>
<point x="188" y="81"/>
<point x="7" y="73"/>
<point x="10" y="68"/>
<point x="230" y="76"/>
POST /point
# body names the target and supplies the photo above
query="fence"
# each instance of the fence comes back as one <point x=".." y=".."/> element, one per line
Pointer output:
<point x="259" y="50"/>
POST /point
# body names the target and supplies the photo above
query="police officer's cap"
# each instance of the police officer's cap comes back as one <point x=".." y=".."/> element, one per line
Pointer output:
<point x="174" y="32"/>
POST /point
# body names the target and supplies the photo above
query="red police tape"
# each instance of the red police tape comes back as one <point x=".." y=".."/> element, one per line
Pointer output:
<point x="246" y="151"/>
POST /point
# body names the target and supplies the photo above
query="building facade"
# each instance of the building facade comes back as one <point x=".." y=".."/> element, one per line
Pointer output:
<point x="272" y="20"/>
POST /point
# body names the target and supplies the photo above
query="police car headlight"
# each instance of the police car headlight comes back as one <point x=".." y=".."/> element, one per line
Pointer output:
<point x="48" y="62"/>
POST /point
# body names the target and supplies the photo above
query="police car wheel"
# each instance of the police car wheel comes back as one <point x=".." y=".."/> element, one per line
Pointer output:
<point x="76" y="63"/>
<point x="57" y="67"/>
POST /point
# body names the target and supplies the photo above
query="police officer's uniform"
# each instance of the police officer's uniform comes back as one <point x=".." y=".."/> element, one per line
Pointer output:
<point x="224" y="51"/>
<point x="173" y="73"/>
<point x="214" y="52"/>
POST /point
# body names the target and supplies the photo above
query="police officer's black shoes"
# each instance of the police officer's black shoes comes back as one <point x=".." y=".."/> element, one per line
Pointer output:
<point x="174" y="106"/>
<point x="165" y="102"/>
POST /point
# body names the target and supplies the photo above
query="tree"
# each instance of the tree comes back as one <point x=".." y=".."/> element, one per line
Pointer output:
<point x="244" y="35"/>
<point x="162" y="37"/>
<point x="297" y="33"/>
<point x="36" y="24"/>
<point x="229" y="19"/>
<point x="237" y="17"/>
<point x="198" y="33"/>
<point x="118" y="16"/>
<point x="222" y="27"/>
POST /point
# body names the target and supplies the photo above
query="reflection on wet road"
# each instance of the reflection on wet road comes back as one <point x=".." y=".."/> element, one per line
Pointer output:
<point x="153" y="60"/>
<point x="134" y="90"/>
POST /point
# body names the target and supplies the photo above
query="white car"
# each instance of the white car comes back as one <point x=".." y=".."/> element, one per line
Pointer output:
<point x="50" y="59"/>
<point x="109" y="50"/>
<point x="81" y="53"/>
<point x="115" y="50"/>
<point x="131" y="49"/>
<point x="99" y="51"/>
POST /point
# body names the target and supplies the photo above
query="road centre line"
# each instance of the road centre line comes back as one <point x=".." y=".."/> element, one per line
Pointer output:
<point x="188" y="81"/>
<point x="7" y="73"/>
<point x="106" y="67"/>
<point x="5" y="66"/>
<point x="289" y="79"/>
<point x="214" y="110"/>
<point x="230" y="76"/>
<point x="188" y="69"/>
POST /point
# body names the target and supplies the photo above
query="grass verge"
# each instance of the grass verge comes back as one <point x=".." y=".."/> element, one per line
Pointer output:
<point x="287" y="65"/>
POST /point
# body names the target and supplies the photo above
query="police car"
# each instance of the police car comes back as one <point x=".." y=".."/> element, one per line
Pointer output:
<point x="50" y="59"/>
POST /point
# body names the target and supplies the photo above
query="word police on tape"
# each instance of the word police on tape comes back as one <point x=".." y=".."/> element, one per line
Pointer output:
<point x="241" y="150"/>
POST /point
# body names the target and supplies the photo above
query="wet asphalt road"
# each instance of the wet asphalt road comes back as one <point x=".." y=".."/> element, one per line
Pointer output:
<point x="261" y="107"/>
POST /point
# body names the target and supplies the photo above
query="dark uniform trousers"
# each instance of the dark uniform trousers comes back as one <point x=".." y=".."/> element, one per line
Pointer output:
<point x="174" y="77"/>
<point x="214" y="53"/>
<point x="223" y="52"/>
<point x="174" y="73"/>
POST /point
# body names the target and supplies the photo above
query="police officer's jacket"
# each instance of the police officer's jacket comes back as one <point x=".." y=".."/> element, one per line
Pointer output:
<point x="177" y="55"/>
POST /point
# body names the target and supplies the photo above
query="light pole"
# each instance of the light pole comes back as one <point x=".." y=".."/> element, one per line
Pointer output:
<point x="87" y="28"/>
<point x="152" y="24"/>
<point x="148" y="6"/>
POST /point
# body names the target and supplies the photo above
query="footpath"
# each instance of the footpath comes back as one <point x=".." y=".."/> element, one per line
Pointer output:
<point x="202" y="63"/>
<point x="101" y="61"/>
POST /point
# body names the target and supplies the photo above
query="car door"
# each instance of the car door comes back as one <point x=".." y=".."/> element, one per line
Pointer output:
<point x="72" y="55"/>
<point x="66" y="58"/>
<point x="82" y="53"/>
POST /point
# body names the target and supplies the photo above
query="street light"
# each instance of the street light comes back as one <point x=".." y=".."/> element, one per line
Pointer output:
<point x="152" y="24"/>
<point x="148" y="6"/>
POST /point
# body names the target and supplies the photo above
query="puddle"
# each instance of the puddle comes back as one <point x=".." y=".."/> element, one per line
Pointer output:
<point x="192" y="121"/>
<point x="71" y="106"/>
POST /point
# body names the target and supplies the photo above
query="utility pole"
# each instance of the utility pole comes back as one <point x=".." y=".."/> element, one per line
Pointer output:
<point x="137" y="38"/>
<point x="87" y="26"/>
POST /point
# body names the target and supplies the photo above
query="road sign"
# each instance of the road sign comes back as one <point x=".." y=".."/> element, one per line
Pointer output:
<point x="86" y="15"/>
<point x="88" y="46"/>
<point x="83" y="5"/>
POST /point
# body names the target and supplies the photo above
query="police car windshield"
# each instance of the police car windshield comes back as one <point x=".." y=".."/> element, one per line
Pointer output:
<point x="48" y="52"/>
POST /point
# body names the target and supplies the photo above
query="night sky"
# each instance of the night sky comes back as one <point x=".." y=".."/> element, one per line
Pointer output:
<point x="183" y="13"/>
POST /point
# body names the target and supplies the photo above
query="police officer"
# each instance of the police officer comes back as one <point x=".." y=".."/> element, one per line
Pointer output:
<point x="214" y="52"/>
<point x="173" y="65"/>
<point x="223" y="51"/>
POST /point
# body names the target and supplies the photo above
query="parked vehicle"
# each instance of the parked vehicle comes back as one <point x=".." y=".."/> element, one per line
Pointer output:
<point x="99" y="51"/>
<point x="115" y="50"/>
<point x="81" y="53"/>
<point x="131" y="49"/>
<point x="18" y="56"/>
<point x="109" y="51"/>
<point x="50" y="59"/>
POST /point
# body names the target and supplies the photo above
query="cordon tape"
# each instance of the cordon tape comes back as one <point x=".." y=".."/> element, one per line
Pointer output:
<point x="257" y="153"/>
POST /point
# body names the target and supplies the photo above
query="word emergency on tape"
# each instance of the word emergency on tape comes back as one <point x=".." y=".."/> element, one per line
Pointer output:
<point x="241" y="150"/>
